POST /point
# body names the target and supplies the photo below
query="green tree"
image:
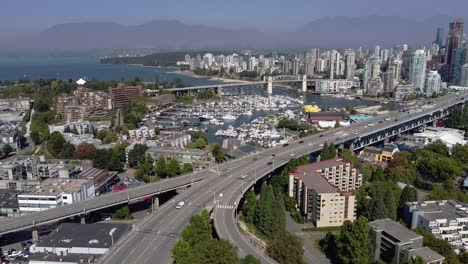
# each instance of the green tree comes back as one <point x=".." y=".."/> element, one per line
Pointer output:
<point x="218" y="152"/>
<point x="378" y="209"/>
<point x="249" y="259"/>
<point x="417" y="260"/>
<point x="7" y="149"/>
<point x="460" y="153"/>
<point x="161" y="167"/>
<point x="389" y="201"/>
<point x="214" y="251"/>
<point x="326" y="155"/>
<point x="248" y="209"/>
<point x="55" y="144"/>
<point x="408" y="194"/>
<point x="378" y="174"/>
<point x="187" y="168"/>
<point x="264" y="213"/>
<point x="279" y="213"/>
<point x="181" y="252"/>
<point x="285" y="248"/>
<point x="440" y="246"/>
<point x="198" y="230"/>
<point x="353" y="242"/>
<point x="173" y="168"/>
<point x="137" y="155"/>
<point x="200" y="143"/>
<point x="122" y="213"/>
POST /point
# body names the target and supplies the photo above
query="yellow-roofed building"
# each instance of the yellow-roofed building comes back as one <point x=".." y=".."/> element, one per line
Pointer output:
<point x="311" y="109"/>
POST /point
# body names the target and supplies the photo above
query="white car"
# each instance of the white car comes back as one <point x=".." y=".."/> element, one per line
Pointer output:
<point x="180" y="205"/>
<point x="244" y="176"/>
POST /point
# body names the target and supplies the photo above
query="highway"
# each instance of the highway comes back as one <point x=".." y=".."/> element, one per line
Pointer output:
<point x="153" y="238"/>
<point x="8" y="225"/>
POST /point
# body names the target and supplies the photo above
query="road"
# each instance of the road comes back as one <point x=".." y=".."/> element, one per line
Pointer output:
<point x="155" y="236"/>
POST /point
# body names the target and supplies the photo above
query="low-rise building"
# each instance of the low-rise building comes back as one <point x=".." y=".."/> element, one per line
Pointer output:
<point x="176" y="140"/>
<point x="103" y="179"/>
<point x="77" y="243"/>
<point x="199" y="158"/>
<point x="9" y="203"/>
<point x="449" y="136"/>
<point x="315" y="118"/>
<point x="403" y="92"/>
<point x="335" y="86"/>
<point x="394" y="243"/>
<point x="324" y="191"/>
<point x="447" y="220"/>
<point x="20" y="103"/>
<point x="375" y="154"/>
<point x="52" y="193"/>
<point x="141" y="133"/>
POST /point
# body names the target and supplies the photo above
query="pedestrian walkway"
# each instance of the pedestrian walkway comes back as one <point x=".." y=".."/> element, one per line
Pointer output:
<point x="225" y="206"/>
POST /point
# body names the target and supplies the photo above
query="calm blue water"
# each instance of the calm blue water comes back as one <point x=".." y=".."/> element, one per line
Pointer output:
<point x="78" y="67"/>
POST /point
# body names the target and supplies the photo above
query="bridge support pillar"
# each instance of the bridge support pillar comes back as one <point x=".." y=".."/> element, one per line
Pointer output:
<point x="35" y="236"/>
<point x="219" y="91"/>
<point x="434" y="123"/>
<point x="83" y="220"/>
<point x="269" y="87"/>
<point x="156" y="203"/>
<point x="304" y="83"/>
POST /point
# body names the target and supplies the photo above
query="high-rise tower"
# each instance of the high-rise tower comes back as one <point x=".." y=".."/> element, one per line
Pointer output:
<point x="454" y="41"/>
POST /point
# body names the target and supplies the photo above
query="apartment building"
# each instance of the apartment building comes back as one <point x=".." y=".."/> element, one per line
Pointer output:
<point x="52" y="193"/>
<point x="93" y="99"/>
<point x="141" y="133"/>
<point x="375" y="154"/>
<point x="395" y="243"/>
<point x="324" y="191"/>
<point x="123" y="95"/>
<point x="446" y="220"/>
<point x="176" y="140"/>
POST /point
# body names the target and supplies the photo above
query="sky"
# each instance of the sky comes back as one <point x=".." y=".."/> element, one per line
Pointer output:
<point x="23" y="17"/>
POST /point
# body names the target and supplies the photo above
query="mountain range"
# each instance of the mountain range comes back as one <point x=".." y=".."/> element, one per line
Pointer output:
<point x="329" y="32"/>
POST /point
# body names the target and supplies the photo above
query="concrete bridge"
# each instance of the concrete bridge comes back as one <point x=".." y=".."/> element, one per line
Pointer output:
<point x="267" y="85"/>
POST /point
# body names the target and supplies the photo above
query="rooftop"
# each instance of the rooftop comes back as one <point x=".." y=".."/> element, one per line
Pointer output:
<point x="84" y="235"/>
<point x="428" y="255"/>
<point x="441" y="209"/>
<point x="99" y="176"/>
<point x="55" y="186"/>
<point x="314" y="180"/>
<point x="396" y="230"/>
<point x="8" y="198"/>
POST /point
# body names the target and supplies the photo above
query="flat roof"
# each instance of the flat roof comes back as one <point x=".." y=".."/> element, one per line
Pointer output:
<point x="440" y="209"/>
<point x="395" y="229"/>
<point x="84" y="235"/>
<point x="55" y="186"/>
<point x="313" y="180"/>
<point x="428" y="255"/>
<point x="8" y="198"/>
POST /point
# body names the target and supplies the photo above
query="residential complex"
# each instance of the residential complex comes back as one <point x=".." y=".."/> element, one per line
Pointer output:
<point x="122" y="95"/>
<point x="447" y="220"/>
<point x="396" y="244"/>
<point x="324" y="191"/>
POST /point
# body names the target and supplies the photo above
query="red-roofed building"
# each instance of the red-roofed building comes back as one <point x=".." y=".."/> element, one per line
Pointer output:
<point x="324" y="191"/>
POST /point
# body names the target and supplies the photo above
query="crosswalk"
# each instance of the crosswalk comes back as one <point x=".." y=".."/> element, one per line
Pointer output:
<point x="225" y="206"/>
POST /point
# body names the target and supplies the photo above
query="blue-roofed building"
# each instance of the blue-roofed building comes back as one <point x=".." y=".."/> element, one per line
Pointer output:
<point x="355" y="118"/>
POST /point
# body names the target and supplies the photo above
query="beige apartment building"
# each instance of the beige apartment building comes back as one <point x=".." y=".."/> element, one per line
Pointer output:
<point x="324" y="191"/>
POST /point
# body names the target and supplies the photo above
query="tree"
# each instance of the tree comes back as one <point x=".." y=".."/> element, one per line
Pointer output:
<point x="353" y="242"/>
<point x="249" y="259"/>
<point x="264" y="213"/>
<point x="122" y="213"/>
<point x="460" y="153"/>
<point x="137" y="155"/>
<point x="161" y="167"/>
<point x="214" y="251"/>
<point x="55" y="143"/>
<point x="218" y="152"/>
<point x="389" y="201"/>
<point x="85" y="151"/>
<point x="187" y="168"/>
<point x="378" y="209"/>
<point x="7" y="149"/>
<point x="440" y="246"/>
<point x="200" y="143"/>
<point x="438" y="147"/>
<point x="378" y="174"/>
<point x="173" y="168"/>
<point x="157" y="131"/>
<point x="279" y="213"/>
<point x="286" y="248"/>
<point x="248" y="209"/>
<point x="325" y="152"/>
<point x="416" y="260"/>
<point x="408" y="194"/>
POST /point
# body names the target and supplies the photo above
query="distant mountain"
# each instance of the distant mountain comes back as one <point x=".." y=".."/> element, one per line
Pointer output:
<point x="332" y="32"/>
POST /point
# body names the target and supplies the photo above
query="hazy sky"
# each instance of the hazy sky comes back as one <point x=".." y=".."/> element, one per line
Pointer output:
<point x="18" y="17"/>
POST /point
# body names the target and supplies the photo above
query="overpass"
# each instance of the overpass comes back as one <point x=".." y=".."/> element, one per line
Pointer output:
<point x="8" y="225"/>
<point x="154" y="237"/>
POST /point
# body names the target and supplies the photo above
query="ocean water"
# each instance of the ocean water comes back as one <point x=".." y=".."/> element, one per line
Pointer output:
<point x="13" y="69"/>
